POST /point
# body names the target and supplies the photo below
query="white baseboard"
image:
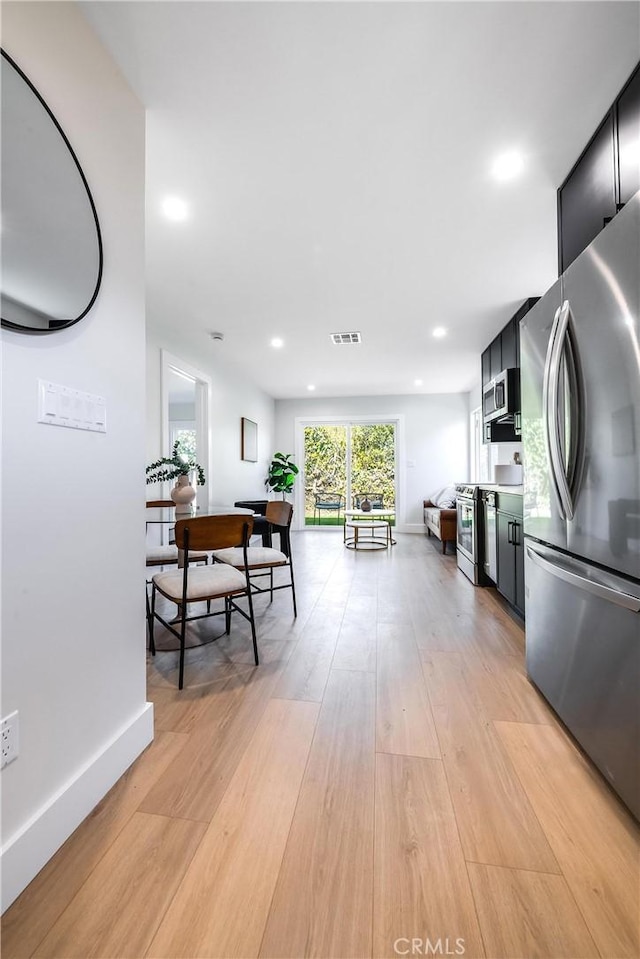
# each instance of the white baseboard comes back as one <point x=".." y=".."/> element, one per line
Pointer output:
<point x="26" y="852"/>
<point x="412" y="528"/>
<point x="400" y="528"/>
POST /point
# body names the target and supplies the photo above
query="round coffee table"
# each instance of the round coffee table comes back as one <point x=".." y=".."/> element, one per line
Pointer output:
<point x="370" y="522"/>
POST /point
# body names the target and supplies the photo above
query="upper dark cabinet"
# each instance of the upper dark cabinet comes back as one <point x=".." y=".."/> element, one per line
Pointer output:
<point x="509" y="345"/>
<point x="605" y="177"/>
<point x="503" y="353"/>
<point x="486" y="366"/>
<point x="629" y="138"/>
<point x="496" y="356"/>
<point x="587" y="198"/>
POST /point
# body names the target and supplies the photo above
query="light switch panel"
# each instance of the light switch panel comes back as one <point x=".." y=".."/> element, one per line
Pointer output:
<point x="63" y="406"/>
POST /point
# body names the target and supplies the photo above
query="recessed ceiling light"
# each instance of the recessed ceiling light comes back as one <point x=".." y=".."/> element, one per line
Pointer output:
<point x="277" y="343"/>
<point x="175" y="209"/>
<point x="417" y="382"/>
<point x="439" y="332"/>
<point x="311" y="387"/>
<point x="508" y="165"/>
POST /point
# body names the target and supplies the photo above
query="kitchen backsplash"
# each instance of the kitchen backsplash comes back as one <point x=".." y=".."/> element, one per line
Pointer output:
<point x="497" y="453"/>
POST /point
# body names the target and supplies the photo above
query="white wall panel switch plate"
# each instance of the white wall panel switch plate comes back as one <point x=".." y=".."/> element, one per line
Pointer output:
<point x="63" y="406"/>
<point x="9" y="739"/>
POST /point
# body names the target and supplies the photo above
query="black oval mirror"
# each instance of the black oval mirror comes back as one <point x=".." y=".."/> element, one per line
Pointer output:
<point x="51" y="243"/>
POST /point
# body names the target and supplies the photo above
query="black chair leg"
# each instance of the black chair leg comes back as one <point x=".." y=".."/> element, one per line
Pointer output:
<point x="293" y="588"/>
<point x="227" y="614"/>
<point x="183" y="629"/>
<point x="271" y="583"/>
<point x="151" y="620"/>
<point x="253" y="627"/>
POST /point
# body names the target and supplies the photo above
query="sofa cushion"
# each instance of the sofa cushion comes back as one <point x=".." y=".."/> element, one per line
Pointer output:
<point x="446" y="498"/>
<point x="433" y="497"/>
<point x="432" y="516"/>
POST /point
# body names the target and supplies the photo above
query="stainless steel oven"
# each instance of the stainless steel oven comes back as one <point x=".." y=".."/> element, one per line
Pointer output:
<point x="467" y="507"/>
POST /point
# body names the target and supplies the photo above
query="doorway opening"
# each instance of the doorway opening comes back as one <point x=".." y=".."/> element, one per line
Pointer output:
<point x="185" y="415"/>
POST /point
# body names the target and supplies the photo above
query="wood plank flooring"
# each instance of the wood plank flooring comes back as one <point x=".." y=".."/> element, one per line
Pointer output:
<point x="387" y="782"/>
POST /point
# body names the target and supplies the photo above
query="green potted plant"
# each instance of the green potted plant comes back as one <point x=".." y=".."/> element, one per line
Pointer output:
<point x="282" y="474"/>
<point x="178" y="466"/>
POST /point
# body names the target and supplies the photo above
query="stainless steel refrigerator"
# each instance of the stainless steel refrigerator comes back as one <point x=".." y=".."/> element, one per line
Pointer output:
<point x="580" y="380"/>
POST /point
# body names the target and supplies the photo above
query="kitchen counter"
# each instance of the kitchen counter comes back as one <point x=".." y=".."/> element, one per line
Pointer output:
<point x="496" y="488"/>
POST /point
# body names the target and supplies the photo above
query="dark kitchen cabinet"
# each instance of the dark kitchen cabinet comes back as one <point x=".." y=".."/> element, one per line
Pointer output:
<point x="628" y="117"/>
<point x="509" y="338"/>
<point x="504" y="354"/>
<point x="605" y="177"/>
<point x="587" y="198"/>
<point x="495" y="432"/>
<point x="486" y="366"/>
<point x="511" y="550"/>
<point x="496" y="356"/>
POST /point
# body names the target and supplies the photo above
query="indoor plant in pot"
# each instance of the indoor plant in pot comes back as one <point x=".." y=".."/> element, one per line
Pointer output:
<point x="178" y="466"/>
<point x="282" y="474"/>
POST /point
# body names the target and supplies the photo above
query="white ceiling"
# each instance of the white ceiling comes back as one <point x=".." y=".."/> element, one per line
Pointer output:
<point x="336" y="161"/>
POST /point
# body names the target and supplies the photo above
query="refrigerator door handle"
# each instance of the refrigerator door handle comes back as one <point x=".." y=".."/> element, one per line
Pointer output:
<point x="566" y="471"/>
<point x="615" y="596"/>
<point x="550" y="403"/>
<point x="556" y="348"/>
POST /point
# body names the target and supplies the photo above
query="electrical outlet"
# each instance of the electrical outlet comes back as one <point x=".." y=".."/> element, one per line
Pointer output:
<point x="9" y="739"/>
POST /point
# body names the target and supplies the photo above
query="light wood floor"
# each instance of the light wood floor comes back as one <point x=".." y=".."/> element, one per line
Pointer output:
<point x="386" y="782"/>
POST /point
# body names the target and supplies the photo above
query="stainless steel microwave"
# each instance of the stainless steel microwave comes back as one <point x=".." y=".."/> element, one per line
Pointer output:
<point x="501" y="397"/>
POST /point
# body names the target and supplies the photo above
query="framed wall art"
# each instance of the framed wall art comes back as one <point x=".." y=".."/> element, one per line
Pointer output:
<point x="249" y="440"/>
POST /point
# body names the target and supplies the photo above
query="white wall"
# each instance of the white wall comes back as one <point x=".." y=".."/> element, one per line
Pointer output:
<point x="436" y="439"/>
<point x="73" y="637"/>
<point x="233" y="396"/>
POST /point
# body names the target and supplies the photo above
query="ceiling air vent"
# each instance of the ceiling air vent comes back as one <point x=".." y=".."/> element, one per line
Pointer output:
<point x="340" y="339"/>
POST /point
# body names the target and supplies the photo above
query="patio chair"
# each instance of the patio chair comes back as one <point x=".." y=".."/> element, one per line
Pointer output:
<point x="376" y="500"/>
<point x="327" y="503"/>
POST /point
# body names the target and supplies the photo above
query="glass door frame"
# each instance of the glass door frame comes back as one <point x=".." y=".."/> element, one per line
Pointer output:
<point x="397" y="419"/>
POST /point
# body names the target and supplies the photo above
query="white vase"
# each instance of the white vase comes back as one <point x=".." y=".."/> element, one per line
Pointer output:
<point x="183" y="494"/>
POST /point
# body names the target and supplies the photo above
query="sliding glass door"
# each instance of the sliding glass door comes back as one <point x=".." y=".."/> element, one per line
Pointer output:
<point x="344" y="463"/>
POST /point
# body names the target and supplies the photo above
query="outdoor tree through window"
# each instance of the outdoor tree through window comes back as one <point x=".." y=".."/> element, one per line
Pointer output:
<point x="351" y="459"/>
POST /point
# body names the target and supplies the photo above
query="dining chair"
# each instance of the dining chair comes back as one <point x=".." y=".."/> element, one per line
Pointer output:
<point x="202" y="584"/>
<point x="164" y="555"/>
<point x="167" y="555"/>
<point x="260" y="525"/>
<point x="259" y="561"/>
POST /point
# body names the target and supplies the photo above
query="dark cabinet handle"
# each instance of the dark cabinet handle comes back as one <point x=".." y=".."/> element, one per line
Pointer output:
<point x="509" y="540"/>
<point x="516" y="534"/>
